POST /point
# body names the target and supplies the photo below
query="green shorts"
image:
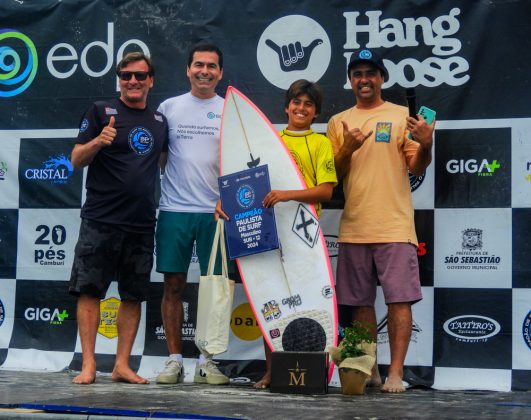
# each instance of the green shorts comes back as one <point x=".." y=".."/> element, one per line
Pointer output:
<point x="175" y="236"/>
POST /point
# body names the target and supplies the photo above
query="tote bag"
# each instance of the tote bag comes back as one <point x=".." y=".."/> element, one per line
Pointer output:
<point x="214" y="306"/>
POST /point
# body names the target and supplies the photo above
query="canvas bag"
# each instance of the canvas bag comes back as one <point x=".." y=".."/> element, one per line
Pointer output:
<point x="214" y="306"/>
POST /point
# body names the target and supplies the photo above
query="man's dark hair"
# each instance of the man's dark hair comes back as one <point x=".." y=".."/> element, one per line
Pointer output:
<point x="133" y="57"/>
<point x="205" y="47"/>
<point x="301" y="87"/>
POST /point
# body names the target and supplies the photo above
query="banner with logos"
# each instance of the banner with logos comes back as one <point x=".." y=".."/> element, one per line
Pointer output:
<point x="468" y="61"/>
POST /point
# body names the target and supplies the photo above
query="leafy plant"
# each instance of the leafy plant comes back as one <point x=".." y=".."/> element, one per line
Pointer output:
<point x="353" y="337"/>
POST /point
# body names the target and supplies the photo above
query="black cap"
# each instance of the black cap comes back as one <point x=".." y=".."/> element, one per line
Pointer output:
<point x="367" y="56"/>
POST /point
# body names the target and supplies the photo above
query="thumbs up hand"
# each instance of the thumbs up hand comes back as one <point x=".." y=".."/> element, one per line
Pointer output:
<point x="108" y="133"/>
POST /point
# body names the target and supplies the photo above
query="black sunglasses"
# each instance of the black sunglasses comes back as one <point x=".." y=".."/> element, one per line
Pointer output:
<point x="127" y="75"/>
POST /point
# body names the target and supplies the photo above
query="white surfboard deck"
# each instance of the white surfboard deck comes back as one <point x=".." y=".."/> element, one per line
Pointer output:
<point x="291" y="290"/>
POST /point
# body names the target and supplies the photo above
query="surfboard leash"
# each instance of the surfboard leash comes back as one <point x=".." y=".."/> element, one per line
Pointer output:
<point x="284" y="270"/>
<point x="254" y="162"/>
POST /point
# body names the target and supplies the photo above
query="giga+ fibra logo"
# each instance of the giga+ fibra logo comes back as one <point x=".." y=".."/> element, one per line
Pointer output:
<point x="53" y="316"/>
<point x="18" y="62"/>
<point x="472" y="166"/>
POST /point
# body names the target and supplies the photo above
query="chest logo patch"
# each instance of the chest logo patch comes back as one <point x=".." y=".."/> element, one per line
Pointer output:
<point x="383" y="132"/>
<point x="84" y="125"/>
<point x="141" y="140"/>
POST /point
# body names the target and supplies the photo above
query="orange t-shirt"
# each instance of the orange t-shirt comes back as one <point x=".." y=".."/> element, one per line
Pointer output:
<point x="378" y="202"/>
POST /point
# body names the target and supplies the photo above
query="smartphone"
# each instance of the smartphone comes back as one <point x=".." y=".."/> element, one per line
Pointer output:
<point x="428" y="114"/>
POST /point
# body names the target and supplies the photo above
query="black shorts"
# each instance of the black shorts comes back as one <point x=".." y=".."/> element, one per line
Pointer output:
<point x="105" y="253"/>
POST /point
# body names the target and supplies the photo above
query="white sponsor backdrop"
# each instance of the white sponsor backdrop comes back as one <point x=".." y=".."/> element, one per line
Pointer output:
<point x="471" y="249"/>
<point x="473" y="204"/>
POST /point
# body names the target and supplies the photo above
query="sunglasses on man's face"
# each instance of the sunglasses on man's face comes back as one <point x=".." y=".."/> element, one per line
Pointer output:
<point x="127" y="75"/>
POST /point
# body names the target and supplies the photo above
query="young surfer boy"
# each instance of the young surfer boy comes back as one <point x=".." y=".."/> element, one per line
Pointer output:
<point x="314" y="156"/>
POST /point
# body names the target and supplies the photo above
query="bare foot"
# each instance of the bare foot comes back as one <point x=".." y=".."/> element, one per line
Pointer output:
<point x="127" y="375"/>
<point x="393" y="384"/>
<point x="264" y="382"/>
<point x="374" y="381"/>
<point x="86" y="377"/>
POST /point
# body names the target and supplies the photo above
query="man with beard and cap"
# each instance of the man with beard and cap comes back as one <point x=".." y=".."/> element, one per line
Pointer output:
<point x="377" y="239"/>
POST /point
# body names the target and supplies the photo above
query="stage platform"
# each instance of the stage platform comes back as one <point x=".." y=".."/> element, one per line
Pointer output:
<point x="38" y="395"/>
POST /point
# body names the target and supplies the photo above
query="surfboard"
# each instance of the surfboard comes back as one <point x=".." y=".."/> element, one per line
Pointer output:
<point x="290" y="289"/>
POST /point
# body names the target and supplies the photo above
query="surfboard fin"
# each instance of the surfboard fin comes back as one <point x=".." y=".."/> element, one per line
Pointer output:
<point x="254" y="162"/>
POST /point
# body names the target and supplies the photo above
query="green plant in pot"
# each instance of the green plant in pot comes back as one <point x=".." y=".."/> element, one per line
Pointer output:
<point x="355" y="356"/>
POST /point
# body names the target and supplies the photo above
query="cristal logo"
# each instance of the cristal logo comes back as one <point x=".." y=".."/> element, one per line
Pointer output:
<point x="291" y="48"/>
<point x="471" y="327"/>
<point x="16" y="72"/>
<point x="472" y="166"/>
<point x="54" y="316"/>
<point x="62" y="60"/>
<point x="55" y="169"/>
<point x="389" y="33"/>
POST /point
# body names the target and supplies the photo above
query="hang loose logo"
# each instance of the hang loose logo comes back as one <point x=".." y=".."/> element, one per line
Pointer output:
<point x="293" y="47"/>
<point x="294" y="56"/>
